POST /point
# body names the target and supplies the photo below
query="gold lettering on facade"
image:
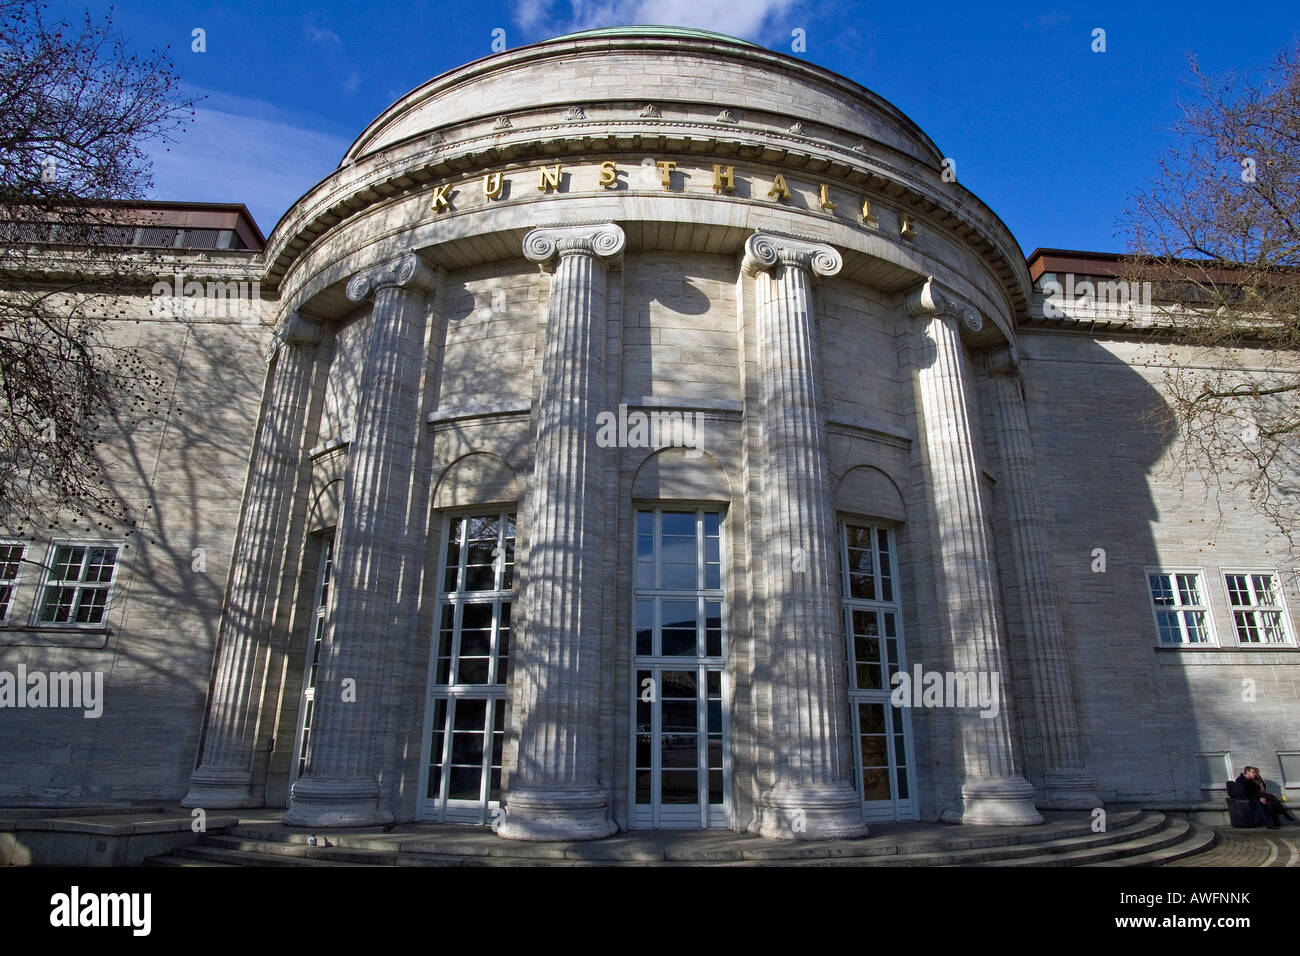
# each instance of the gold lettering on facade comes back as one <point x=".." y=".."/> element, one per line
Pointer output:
<point x="666" y="167"/>
<point x="867" y="215"/>
<point x="492" y="185"/>
<point x="905" y="227"/>
<point x="549" y="178"/>
<point x="724" y="181"/>
<point x="779" y="189"/>
<point x="608" y="175"/>
<point x="825" y="200"/>
<point x="440" y="200"/>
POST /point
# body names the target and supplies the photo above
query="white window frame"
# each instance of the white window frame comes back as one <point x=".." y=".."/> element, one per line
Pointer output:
<point x="315" y="643"/>
<point x="6" y="610"/>
<point x="1212" y="639"/>
<point x="1284" y="781"/>
<point x="656" y="814"/>
<point x="896" y="808"/>
<point x="443" y="808"/>
<point x="1288" y="633"/>
<point x="48" y="581"/>
<point x="1226" y="756"/>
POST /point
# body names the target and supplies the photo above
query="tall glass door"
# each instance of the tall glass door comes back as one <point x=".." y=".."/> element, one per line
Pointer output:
<point x="873" y="627"/>
<point x="468" y="668"/>
<point x="680" y="767"/>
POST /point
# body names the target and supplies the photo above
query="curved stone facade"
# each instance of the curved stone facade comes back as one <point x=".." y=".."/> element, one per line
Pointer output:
<point x="651" y="436"/>
<point x="538" y="276"/>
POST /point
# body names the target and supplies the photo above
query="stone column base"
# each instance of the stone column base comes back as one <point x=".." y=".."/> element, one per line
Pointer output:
<point x="999" y="802"/>
<point x="577" y="814"/>
<point x="219" y="788"/>
<point x="334" y="803"/>
<point x="1070" y="790"/>
<point x="811" y="813"/>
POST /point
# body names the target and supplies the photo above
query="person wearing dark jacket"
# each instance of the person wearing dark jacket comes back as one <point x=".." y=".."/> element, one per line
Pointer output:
<point x="1268" y="808"/>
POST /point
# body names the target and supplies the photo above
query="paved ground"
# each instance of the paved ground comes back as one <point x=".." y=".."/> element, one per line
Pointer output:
<point x="1250" y="848"/>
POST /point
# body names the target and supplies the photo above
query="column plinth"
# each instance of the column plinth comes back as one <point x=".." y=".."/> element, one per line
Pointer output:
<point x="554" y="793"/>
<point x="340" y="787"/>
<point x="994" y="791"/>
<point x="812" y="797"/>
<point x="223" y="779"/>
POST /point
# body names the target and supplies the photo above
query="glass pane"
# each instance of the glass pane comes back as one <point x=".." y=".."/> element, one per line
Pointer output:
<point x="862" y="587"/>
<point x="643" y="778"/>
<point x="679" y="577"/>
<point x="871" y="718"/>
<point x="678" y="523"/>
<point x="471" y="714"/>
<point x="1188" y="591"/>
<point x="678" y="717"/>
<point x="874" y="751"/>
<point x="680" y="685"/>
<point x="1162" y="592"/>
<point x="679" y="750"/>
<point x="875" y="785"/>
<point x="674" y="550"/>
<point x="868" y="676"/>
<point x="645" y="620"/>
<point x="715" y="787"/>
<point x="465" y="783"/>
<point x="679" y="786"/>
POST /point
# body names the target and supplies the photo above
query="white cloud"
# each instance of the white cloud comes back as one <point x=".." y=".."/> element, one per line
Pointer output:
<point x="317" y="35"/>
<point x="740" y="18"/>
<point x="245" y="150"/>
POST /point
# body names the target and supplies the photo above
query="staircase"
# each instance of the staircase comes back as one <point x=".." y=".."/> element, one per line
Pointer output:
<point x="1132" y="838"/>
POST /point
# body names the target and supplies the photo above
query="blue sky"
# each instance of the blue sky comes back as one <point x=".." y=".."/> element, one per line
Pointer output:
<point x="1051" y="135"/>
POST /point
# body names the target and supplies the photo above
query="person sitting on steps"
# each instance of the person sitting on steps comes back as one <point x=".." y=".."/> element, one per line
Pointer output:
<point x="1268" y="808"/>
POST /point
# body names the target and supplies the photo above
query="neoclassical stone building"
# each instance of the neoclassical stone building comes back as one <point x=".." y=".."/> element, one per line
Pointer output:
<point x="612" y="427"/>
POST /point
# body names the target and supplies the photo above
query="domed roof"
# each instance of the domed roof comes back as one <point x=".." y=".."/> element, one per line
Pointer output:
<point x="685" y="33"/>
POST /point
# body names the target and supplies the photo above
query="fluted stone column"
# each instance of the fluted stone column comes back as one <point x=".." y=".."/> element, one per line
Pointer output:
<point x="811" y="796"/>
<point x="994" y="791"/>
<point x="554" y="793"/>
<point x="340" y="787"/>
<point x="224" y="775"/>
<point x="1069" y="785"/>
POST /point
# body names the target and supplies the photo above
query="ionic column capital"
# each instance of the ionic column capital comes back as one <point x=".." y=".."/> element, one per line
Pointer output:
<point x="932" y="299"/>
<point x="295" y="329"/>
<point x="764" y="250"/>
<point x="405" y="272"/>
<point x="602" y="241"/>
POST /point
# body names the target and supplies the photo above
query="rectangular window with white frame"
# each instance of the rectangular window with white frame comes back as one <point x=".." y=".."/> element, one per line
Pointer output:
<point x="1214" y="770"/>
<point x="469" y="669"/>
<point x="11" y="562"/>
<point x="1181" y="606"/>
<point x="1258" y="607"/>
<point x="1289" y="763"/>
<point x="78" y="585"/>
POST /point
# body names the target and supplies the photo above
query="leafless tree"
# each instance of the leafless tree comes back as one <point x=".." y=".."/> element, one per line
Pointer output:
<point x="77" y="112"/>
<point x="1218" y="235"/>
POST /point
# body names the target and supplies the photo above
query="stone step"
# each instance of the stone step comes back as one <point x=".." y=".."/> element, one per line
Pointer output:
<point x="217" y="854"/>
<point x="481" y="845"/>
<point x="1198" y="840"/>
<point x="1173" y="832"/>
<point x="1052" y="852"/>
<point x="174" y="860"/>
<point x="1131" y="833"/>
